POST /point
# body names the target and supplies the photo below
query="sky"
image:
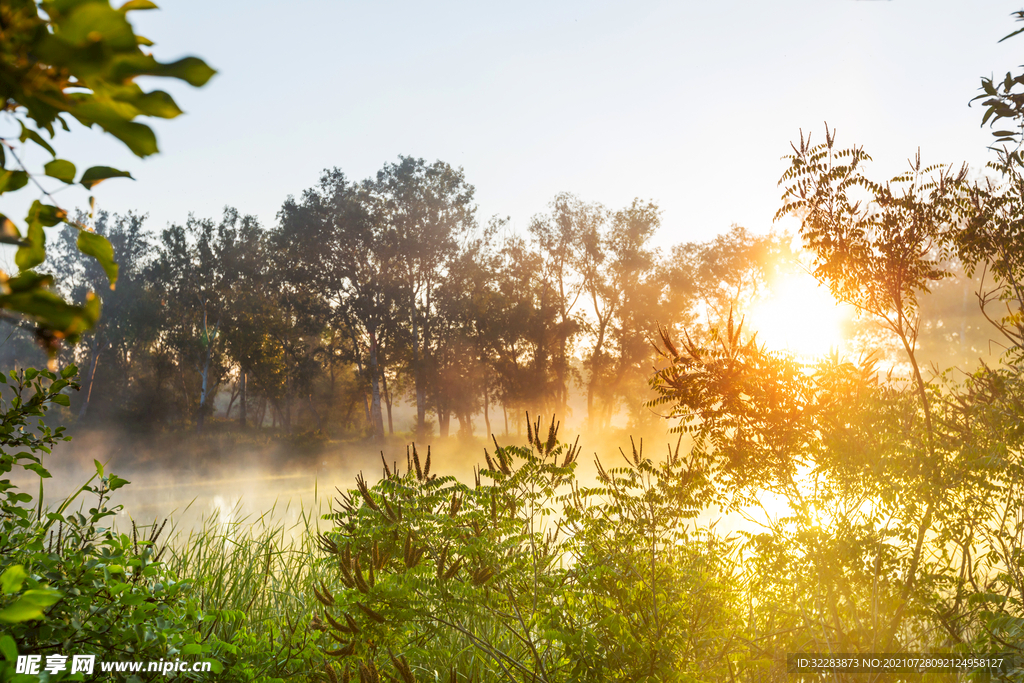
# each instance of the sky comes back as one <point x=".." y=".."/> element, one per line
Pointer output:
<point x="689" y="104"/>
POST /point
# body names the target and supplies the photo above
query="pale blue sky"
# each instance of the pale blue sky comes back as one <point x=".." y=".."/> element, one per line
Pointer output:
<point x="690" y="104"/>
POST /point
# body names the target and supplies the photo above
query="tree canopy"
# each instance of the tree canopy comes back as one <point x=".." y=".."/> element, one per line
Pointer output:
<point x="62" y="60"/>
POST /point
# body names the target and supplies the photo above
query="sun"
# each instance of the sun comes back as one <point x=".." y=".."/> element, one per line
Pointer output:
<point x="799" y="315"/>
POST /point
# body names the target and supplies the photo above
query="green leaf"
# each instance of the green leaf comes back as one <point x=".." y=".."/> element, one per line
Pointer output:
<point x="35" y="137"/>
<point x="54" y="312"/>
<point x="1017" y="32"/>
<point x="115" y="118"/>
<point x="12" y="180"/>
<point x="93" y="22"/>
<point x="99" y="468"/>
<point x="29" y="605"/>
<point x="46" y="214"/>
<point x="44" y="597"/>
<point x="20" y="610"/>
<point x="39" y="469"/>
<point x="192" y="70"/>
<point x="9" y="233"/>
<point x="62" y="170"/>
<point x="99" y="247"/>
<point x="8" y="648"/>
<point x="12" y="579"/>
<point x="156" y="103"/>
<point x="33" y="250"/>
<point x="97" y="174"/>
<point x="62" y="399"/>
<point x="116" y="482"/>
<point x="27" y="281"/>
<point x="132" y="5"/>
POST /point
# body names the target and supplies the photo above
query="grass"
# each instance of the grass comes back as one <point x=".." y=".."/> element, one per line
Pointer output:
<point x="254" y="582"/>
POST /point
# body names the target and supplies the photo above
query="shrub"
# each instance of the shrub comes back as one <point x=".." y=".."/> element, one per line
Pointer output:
<point x="527" y="577"/>
<point x="71" y="584"/>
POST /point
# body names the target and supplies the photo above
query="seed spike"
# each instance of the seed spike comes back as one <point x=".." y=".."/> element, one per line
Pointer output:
<point x="552" y="436"/>
<point x="416" y="461"/>
<point x="364" y="491"/>
<point x="573" y="452"/>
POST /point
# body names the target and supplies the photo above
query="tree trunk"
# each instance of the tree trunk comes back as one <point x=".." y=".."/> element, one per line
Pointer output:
<point x="332" y="378"/>
<point x="261" y="410"/>
<point x="487" y="417"/>
<point x="92" y="375"/>
<point x="319" y="423"/>
<point x="243" y="398"/>
<point x="387" y="402"/>
<point x="210" y="335"/>
<point x="235" y="389"/>
<point x="417" y="365"/>
<point x="597" y="363"/>
<point x="444" y="418"/>
<point x="362" y="374"/>
<point x="375" y="412"/>
<point x="465" y="424"/>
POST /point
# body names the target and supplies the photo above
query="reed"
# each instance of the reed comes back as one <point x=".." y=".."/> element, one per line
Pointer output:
<point x="253" y="580"/>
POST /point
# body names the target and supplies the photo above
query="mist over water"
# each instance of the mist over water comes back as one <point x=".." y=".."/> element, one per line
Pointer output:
<point x="239" y="479"/>
<point x="236" y="479"/>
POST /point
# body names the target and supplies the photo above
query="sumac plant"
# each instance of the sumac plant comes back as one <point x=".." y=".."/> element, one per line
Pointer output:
<point x="525" y="575"/>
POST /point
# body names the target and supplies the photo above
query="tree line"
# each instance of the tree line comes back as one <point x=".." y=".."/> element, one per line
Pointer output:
<point x="365" y="294"/>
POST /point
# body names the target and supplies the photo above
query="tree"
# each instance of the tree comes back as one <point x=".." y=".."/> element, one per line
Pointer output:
<point x="879" y="255"/>
<point x="247" y="260"/>
<point x="562" y="238"/>
<point x="707" y="281"/>
<point x="203" y="269"/>
<point x="79" y="59"/>
<point x="336" y="249"/>
<point x="518" y="320"/>
<point x="616" y="268"/>
<point x="459" y="359"/>
<point x="132" y="318"/>
<point x="428" y="216"/>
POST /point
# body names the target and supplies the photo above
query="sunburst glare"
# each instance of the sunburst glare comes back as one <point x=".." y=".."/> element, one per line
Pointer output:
<point x="799" y="315"/>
